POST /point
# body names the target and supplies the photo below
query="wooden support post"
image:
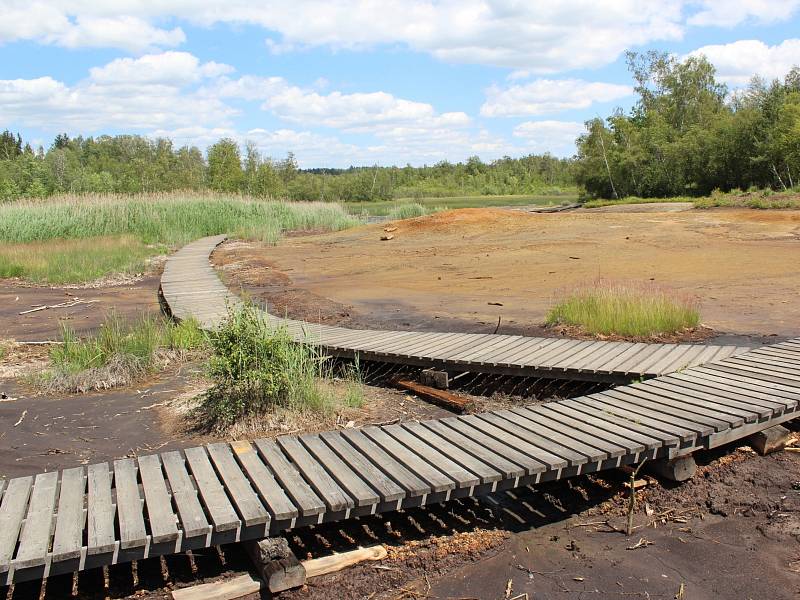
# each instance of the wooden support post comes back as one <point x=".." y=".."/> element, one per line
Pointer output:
<point x="435" y="378"/>
<point x="443" y="398"/>
<point x="769" y="440"/>
<point x="680" y="468"/>
<point x="276" y="563"/>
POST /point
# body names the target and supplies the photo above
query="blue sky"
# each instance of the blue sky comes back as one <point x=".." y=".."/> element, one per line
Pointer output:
<point x="341" y="82"/>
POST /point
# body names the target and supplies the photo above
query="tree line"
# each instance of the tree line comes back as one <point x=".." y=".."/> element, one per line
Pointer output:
<point x="136" y="164"/>
<point x="688" y="135"/>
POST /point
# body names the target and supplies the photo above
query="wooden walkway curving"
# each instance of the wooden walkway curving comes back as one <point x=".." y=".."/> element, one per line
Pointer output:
<point x="191" y="287"/>
<point x="164" y="503"/>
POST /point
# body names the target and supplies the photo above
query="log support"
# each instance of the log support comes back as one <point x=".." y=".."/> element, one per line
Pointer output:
<point x="276" y="563"/>
<point x="679" y="468"/>
<point x="769" y="440"/>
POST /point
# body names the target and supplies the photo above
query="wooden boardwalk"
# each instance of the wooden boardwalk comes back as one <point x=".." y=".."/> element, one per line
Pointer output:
<point x="133" y="508"/>
<point x="165" y="503"/>
<point x="191" y="287"/>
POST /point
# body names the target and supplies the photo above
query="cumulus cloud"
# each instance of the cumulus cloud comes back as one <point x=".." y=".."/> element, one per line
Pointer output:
<point x="737" y="62"/>
<point x="557" y="137"/>
<point x="547" y="96"/>
<point x="87" y="26"/>
<point x="131" y="94"/>
<point x="541" y="38"/>
<point x="728" y="13"/>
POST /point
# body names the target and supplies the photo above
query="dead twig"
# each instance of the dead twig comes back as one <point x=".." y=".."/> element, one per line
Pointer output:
<point x="61" y="305"/>
<point x="22" y="417"/>
<point x="632" y="498"/>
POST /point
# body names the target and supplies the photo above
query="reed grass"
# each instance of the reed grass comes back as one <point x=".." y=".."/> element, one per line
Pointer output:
<point x="41" y="240"/>
<point x="627" y="309"/>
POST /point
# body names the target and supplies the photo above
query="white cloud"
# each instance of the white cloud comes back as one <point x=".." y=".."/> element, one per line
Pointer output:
<point x="737" y="62"/>
<point x="133" y="95"/>
<point x="169" y="68"/>
<point x="546" y="96"/>
<point x="372" y="112"/>
<point x="80" y="27"/>
<point x="538" y="37"/>
<point x="556" y="137"/>
<point x="728" y="13"/>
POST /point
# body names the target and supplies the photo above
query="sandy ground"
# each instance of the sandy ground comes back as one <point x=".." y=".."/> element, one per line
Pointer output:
<point x="450" y="267"/>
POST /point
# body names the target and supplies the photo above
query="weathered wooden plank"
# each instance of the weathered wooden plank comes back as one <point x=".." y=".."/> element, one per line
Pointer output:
<point x="389" y="491"/>
<point x="438" y="481"/>
<point x="34" y="540"/>
<point x="132" y="532"/>
<point x="552" y="461"/>
<point x="223" y="516"/>
<point x="100" y="510"/>
<point x="531" y="465"/>
<point x="237" y="485"/>
<point x="323" y="483"/>
<point x="535" y="439"/>
<point x="464" y="477"/>
<point x="71" y="517"/>
<point x="350" y="481"/>
<point x="405" y="478"/>
<point x="679" y="408"/>
<point x="467" y="445"/>
<point x="293" y="483"/>
<point x="634" y="406"/>
<point x="724" y="400"/>
<point x="192" y="517"/>
<point x="549" y="429"/>
<point x="277" y="502"/>
<point x="12" y="512"/>
<point x="163" y="522"/>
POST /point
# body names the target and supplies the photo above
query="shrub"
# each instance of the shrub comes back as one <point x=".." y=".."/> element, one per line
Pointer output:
<point x="627" y="309"/>
<point x="257" y="368"/>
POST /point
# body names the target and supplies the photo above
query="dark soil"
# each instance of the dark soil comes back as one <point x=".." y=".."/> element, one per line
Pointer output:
<point x="129" y="301"/>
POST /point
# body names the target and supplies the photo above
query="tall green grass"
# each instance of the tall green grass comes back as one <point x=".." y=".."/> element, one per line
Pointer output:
<point x="73" y="239"/>
<point x="120" y="352"/>
<point x="164" y="219"/>
<point x="257" y="369"/>
<point x="625" y="309"/>
<point x="71" y="261"/>
<point x="408" y="211"/>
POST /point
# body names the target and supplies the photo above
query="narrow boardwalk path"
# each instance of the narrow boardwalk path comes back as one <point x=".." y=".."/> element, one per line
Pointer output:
<point x="191" y="287"/>
<point x="164" y="503"/>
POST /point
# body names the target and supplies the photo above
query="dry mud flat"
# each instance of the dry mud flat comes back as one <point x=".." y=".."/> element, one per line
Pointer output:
<point x="446" y="271"/>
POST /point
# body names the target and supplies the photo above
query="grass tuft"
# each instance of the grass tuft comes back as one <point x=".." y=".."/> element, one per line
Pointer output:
<point x="625" y="309"/>
<point x="408" y="211"/>
<point x="119" y="353"/>
<point x="257" y="369"/>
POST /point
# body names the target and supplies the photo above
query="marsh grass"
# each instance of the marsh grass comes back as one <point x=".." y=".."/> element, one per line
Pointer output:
<point x="258" y="370"/>
<point x="625" y="308"/>
<point x="384" y="207"/>
<point x="74" y="261"/>
<point x="71" y="239"/>
<point x="119" y="353"/>
<point x="408" y="211"/>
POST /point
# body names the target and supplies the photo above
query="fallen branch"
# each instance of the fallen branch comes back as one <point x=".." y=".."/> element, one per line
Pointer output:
<point x="22" y="417"/>
<point x="62" y="305"/>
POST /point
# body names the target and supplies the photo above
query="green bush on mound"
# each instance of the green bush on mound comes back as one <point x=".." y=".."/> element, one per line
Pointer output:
<point x="625" y="309"/>
<point x="257" y="368"/>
